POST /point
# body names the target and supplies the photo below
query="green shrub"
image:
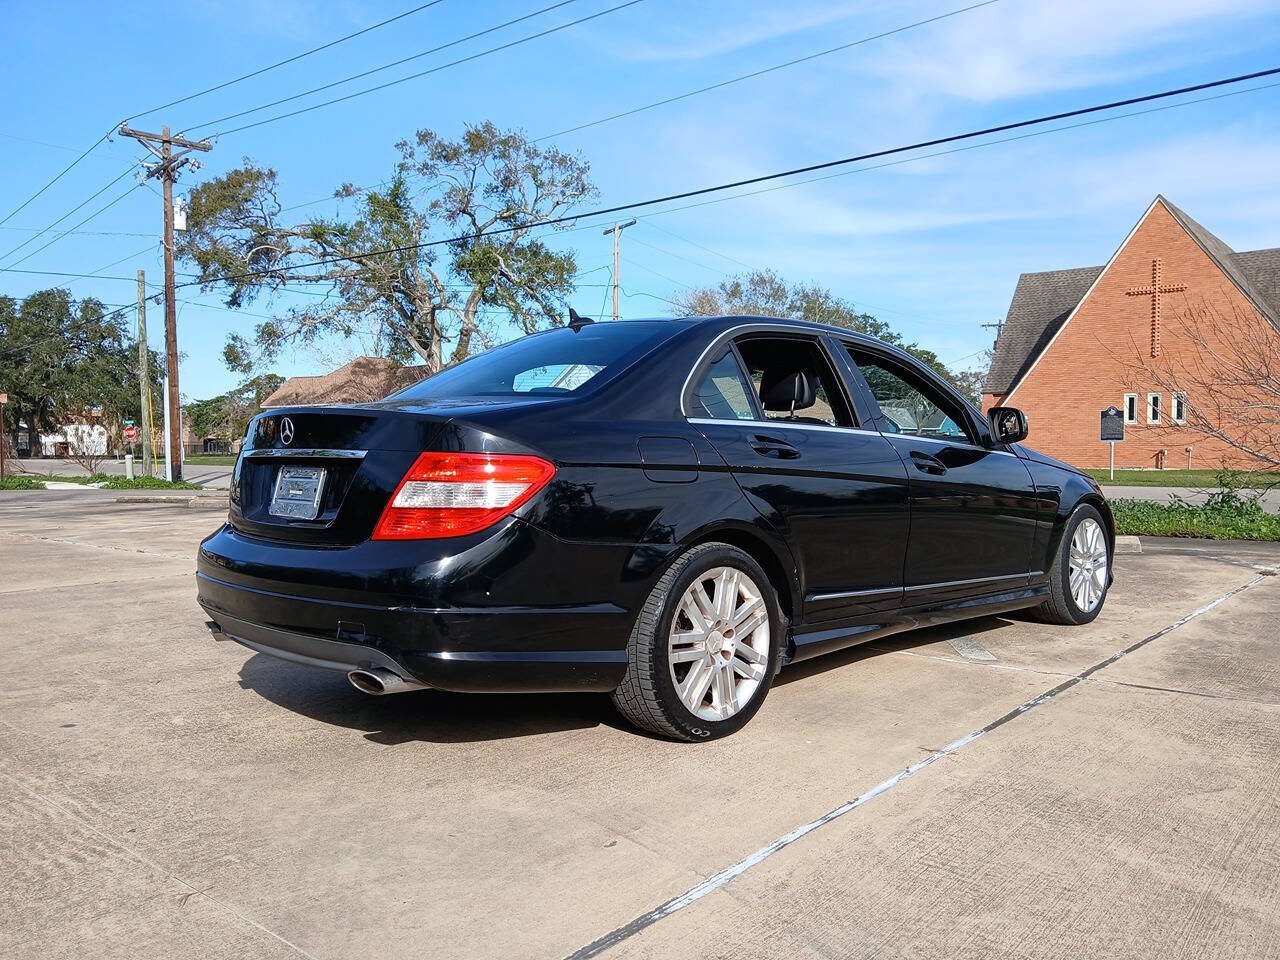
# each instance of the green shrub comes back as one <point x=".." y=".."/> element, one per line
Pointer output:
<point x="20" y="481"/>
<point x="1227" y="514"/>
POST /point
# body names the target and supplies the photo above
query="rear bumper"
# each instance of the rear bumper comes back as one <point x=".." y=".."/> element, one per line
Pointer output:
<point x="277" y="600"/>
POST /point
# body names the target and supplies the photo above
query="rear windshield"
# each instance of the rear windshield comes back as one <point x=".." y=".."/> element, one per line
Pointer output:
<point x="547" y="364"/>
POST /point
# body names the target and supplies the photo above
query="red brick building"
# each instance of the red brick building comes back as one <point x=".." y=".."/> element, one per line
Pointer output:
<point x="1078" y="341"/>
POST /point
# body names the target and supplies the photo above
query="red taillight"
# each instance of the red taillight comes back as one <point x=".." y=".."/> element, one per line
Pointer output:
<point x="453" y="494"/>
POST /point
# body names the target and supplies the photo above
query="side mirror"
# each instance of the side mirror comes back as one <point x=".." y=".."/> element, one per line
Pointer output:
<point x="1008" y="424"/>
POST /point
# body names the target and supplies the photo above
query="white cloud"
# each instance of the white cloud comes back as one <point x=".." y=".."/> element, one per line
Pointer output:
<point x="700" y="31"/>
<point x="1015" y="49"/>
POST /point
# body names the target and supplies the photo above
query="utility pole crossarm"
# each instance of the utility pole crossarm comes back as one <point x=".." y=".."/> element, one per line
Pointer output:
<point x="166" y="168"/>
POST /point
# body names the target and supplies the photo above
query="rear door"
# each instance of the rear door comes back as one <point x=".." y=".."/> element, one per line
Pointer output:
<point x="973" y="506"/>
<point x="835" y="490"/>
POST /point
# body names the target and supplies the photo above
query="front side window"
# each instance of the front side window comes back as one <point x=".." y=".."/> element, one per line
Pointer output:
<point x="1153" y="408"/>
<point x="1130" y="408"/>
<point x="723" y="392"/>
<point x="1179" y="407"/>
<point x="794" y="381"/>
<point x="908" y="402"/>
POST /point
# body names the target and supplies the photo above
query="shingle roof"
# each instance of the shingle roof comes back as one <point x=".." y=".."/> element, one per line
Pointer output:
<point x="363" y="380"/>
<point x="1043" y="301"/>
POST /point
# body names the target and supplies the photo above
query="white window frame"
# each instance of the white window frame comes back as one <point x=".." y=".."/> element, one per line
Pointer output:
<point x="1158" y="408"/>
<point x="1179" y="404"/>
<point x="1127" y="398"/>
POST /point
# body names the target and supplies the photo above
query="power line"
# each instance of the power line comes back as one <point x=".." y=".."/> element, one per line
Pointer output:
<point x="78" y="206"/>
<point x="93" y="146"/>
<point x="764" y="178"/>
<point x="765" y="70"/>
<point x="385" y="66"/>
<point x="287" y="60"/>
<point x="705" y="190"/>
<point x="423" y="73"/>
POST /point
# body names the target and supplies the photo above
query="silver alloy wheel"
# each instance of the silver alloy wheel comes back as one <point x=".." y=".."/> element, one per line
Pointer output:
<point x="1087" y="565"/>
<point x="718" y="649"/>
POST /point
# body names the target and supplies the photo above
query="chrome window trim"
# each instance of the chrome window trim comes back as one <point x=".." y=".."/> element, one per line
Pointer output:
<point x="728" y="336"/>
<point x="301" y="453"/>
<point x="783" y="423"/>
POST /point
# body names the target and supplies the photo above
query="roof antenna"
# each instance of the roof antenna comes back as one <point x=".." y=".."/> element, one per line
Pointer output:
<point x="577" y="322"/>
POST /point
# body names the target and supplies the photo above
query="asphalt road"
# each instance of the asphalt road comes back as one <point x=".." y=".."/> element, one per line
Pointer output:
<point x="165" y="795"/>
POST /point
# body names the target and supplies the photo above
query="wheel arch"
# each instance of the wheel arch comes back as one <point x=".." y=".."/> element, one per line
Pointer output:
<point x="774" y="558"/>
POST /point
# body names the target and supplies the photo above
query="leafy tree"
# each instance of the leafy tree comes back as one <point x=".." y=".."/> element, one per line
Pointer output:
<point x="418" y="299"/>
<point x="765" y="294"/>
<point x="59" y="356"/>
<point x="226" y="415"/>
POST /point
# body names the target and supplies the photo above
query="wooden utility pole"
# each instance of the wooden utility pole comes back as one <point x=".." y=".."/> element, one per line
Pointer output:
<point x="144" y="377"/>
<point x="616" y="230"/>
<point x="166" y="169"/>
<point x="4" y="436"/>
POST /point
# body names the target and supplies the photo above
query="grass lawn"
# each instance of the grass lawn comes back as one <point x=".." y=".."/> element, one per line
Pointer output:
<point x="209" y="460"/>
<point x="1178" y="478"/>
<point x="36" y="481"/>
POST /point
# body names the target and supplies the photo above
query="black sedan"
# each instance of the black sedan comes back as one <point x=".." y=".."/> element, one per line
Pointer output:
<point x="666" y="510"/>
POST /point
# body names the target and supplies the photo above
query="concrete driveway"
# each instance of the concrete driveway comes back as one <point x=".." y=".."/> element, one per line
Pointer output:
<point x="997" y="789"/>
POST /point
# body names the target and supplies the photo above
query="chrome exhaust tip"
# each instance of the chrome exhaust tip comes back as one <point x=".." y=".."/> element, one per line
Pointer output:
<point x="380" y="682"/>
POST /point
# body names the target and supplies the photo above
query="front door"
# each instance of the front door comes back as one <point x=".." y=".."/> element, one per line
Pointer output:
<point x="973" y="506"/>
<point x="776" y="413"/>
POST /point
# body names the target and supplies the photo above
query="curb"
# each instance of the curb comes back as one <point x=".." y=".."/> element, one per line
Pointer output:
<point x="1128" y="544"/>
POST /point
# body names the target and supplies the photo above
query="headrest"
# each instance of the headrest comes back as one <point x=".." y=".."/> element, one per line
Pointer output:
<point x="790" y="391"/>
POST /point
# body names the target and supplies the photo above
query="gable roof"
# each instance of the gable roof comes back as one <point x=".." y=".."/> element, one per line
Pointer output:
<point x="1043" y="302"/>
<point x="363" y="380"/>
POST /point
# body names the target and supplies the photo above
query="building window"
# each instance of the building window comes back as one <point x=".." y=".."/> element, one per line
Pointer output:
<point x="1130" y="408"/>
<point x="1153" y="408"/>
<point x="1180" y="407"/>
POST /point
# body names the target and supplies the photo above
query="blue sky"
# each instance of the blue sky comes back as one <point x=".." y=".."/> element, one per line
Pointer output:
<point x="934" y="245"/>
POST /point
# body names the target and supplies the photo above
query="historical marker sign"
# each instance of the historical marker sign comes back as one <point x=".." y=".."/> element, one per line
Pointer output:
<point x="1112" y="425"/>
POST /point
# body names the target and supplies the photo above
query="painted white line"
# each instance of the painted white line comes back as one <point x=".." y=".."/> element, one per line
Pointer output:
<point x="971" y="649"/>
<point x="718" y="880"/>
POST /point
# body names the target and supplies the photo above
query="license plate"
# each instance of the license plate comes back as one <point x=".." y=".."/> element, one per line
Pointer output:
<point x="297" y="493"/>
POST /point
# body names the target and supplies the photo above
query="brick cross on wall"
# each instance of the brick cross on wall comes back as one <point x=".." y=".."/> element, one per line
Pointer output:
<point x="1154" y="291"/>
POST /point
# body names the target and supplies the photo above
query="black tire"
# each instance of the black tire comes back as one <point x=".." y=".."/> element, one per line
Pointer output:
<point x="1060" y="607"/>
<point x="647" y="695"/>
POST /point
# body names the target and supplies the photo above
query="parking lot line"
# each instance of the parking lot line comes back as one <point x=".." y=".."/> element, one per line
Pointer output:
<point x="718" y="880"/>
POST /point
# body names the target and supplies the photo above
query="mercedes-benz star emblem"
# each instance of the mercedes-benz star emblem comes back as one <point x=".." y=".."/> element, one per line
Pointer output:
<point x="286" y="431"/>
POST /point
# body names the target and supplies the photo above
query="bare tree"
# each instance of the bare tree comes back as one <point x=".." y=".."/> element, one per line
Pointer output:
<point x="82" y="450"/>
<point x="1229" y="379"/>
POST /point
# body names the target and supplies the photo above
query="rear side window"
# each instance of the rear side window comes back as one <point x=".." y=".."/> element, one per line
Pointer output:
<point x="794" y="381"/>
<point x="558" y="362"/>
<point x="723" y="392"/>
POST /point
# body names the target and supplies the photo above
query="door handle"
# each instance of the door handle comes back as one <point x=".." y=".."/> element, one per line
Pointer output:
<point x="927" y="463"/>
<point x="773" y="447"/>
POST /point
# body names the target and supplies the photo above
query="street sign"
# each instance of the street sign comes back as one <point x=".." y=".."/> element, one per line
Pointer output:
<point x="1112" y="425"/>
<point x="1111" y="430"/>
<point x="128" y="422"/>
<point x="130" y="433"/>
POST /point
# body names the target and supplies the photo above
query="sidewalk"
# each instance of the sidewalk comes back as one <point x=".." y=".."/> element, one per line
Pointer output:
<point x="1270" y="500"/>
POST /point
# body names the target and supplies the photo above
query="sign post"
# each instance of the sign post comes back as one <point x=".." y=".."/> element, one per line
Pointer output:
<point x="1112" y="432"/>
